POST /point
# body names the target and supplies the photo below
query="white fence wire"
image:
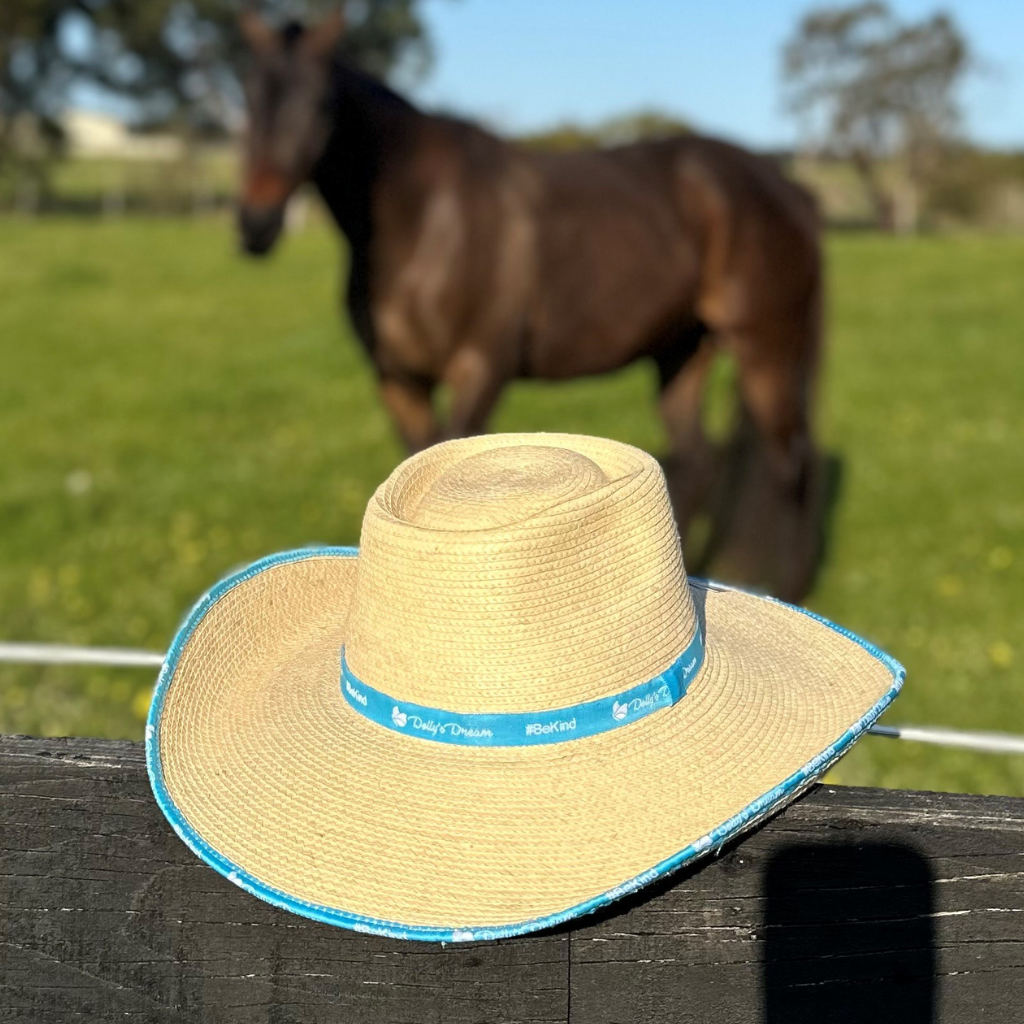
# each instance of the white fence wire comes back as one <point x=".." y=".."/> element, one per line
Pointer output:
<point x="66" y="654"/>
<point x="120" y="657"/>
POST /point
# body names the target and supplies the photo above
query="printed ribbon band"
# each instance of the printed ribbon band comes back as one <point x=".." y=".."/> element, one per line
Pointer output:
<point x="525" y="728"/>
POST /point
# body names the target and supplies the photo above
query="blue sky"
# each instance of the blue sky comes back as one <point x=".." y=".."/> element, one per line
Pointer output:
<point x="525" y="64"/>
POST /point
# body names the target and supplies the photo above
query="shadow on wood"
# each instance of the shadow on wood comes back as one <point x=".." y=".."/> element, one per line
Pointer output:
<point x="849" y="935"/>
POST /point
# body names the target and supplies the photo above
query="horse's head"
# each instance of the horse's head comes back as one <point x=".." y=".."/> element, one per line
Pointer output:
<point x="287" y="91"/>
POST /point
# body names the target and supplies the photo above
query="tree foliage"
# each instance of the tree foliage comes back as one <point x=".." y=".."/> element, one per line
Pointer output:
<point x="870" y="87"/>
<point x="615" y="131"/>
<point x="166" y="59"/>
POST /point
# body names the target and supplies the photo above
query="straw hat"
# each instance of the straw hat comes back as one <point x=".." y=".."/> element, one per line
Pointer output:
<point x="508" y="708"/>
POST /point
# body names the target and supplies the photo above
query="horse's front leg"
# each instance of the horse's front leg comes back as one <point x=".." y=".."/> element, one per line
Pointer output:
<point x="475" y="382"/>
<point x="410" y="403"/>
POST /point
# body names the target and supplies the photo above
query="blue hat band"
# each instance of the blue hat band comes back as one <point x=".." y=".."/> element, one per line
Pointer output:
<point x="525" y="728"/>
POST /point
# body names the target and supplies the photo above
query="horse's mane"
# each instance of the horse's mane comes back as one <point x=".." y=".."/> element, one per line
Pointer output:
<point x="352" y="81"/>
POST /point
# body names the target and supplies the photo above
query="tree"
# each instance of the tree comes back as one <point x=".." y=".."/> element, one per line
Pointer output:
<point x="873" y="89"/>
<point x="164" y="60"/>
<point x="615" y="131"/>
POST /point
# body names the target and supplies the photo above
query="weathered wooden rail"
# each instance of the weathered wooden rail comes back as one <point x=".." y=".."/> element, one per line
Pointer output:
<point x="852" y="905"/>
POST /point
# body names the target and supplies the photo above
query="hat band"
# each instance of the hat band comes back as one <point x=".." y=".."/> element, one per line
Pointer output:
<point x="525" y="728"/>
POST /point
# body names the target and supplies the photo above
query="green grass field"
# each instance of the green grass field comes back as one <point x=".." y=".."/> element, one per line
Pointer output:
<point x="169" y="410"/>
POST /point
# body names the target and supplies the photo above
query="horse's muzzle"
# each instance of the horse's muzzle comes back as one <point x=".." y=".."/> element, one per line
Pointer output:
<point x="259" y="227"/>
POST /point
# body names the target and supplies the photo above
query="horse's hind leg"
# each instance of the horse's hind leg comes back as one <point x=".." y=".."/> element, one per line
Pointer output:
<point x="775" y="528"/>
<point x="689" y="468"/>
<point x="777" y="368"/>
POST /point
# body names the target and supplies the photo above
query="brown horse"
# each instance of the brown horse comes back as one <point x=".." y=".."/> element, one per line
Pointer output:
<point x="474" y="261"/>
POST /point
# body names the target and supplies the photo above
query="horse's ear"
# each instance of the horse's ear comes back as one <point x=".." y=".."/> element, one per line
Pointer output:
<point x="256" y="32"/>
<point x="321" y="40"/>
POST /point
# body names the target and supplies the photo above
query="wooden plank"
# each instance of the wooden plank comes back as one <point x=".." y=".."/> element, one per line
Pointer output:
<point x="852" y="905"/>
<point x="105" y="914"/>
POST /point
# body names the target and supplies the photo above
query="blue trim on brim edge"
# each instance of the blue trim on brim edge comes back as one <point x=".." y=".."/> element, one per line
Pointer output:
<point x="716" y="838"/>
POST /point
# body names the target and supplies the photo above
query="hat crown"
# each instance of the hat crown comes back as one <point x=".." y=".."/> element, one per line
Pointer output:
<point x="503" y="486"/>
<point x="518" y="573"/>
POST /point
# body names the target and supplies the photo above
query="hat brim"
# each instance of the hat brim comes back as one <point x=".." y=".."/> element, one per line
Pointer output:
<point x="269" y="776"/>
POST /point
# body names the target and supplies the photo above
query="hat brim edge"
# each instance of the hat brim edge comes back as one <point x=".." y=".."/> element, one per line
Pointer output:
<point x="744" y="820"/>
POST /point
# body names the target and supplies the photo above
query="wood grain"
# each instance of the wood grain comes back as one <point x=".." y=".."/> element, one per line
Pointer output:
<point x="867" y="905"/>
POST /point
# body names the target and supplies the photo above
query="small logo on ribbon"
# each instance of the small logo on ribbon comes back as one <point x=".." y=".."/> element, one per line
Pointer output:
<point x="399" y="717"/>
<point x="619" y="711"/>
